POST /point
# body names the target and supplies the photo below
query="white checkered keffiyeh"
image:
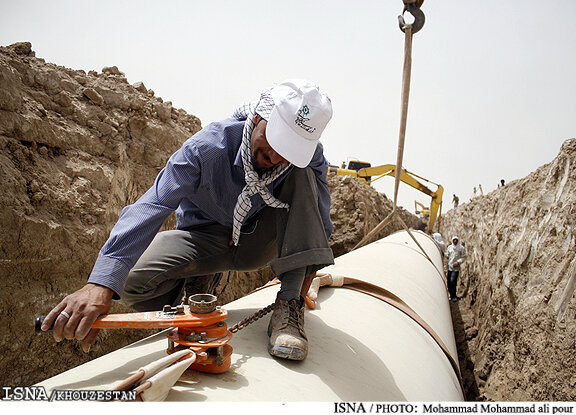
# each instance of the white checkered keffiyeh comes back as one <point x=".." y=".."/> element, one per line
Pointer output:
<point x="254" y="183"/>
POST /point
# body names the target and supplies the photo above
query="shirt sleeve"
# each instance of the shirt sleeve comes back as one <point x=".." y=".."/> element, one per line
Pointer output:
<point x="139" y="222"/>
<point x="320" y="166"/>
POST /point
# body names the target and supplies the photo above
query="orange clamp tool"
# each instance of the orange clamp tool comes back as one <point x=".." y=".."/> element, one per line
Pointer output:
<point x="198" y="326"/>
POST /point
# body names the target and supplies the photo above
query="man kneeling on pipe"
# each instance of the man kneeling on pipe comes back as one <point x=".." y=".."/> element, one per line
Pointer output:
<point x="248" y="191"/>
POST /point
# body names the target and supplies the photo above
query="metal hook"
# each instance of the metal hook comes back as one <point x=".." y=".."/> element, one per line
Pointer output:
<point x="418" y="15"/>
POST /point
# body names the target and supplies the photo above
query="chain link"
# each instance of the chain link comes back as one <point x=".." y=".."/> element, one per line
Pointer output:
<point x="249" y="320"/>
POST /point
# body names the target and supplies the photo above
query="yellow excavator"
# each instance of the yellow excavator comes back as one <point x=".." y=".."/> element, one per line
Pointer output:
<point x="364" y="171"/>
<point x="421" y="210"/>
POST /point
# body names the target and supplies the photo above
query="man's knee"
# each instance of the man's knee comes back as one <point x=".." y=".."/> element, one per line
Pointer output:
<point x="255" y="260"/>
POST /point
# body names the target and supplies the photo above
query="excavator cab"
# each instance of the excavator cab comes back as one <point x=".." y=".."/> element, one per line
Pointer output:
<point x="357" y="165"/>
<point x="352" y="170"/>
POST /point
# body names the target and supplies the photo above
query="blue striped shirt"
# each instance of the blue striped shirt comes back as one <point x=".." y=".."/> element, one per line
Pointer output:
<point x="201" y="182"/>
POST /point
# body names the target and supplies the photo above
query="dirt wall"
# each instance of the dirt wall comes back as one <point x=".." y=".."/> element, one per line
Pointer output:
<point x="76" y="148"/>
<point x="518" y="312"/>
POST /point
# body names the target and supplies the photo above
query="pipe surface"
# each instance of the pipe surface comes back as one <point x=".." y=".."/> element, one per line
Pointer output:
<point x="361" y="348"/>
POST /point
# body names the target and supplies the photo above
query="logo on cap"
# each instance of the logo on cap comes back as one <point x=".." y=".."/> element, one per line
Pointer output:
<point x="301" y="119"/>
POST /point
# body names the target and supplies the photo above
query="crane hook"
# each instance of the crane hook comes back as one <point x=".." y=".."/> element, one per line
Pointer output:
<point x="418" y="15"/>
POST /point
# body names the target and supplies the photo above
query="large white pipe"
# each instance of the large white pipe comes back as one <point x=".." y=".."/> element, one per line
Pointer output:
<point x="361" y="348"/>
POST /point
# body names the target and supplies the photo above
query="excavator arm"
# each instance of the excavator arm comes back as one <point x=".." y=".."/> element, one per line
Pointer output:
<point x="411" y="179"/>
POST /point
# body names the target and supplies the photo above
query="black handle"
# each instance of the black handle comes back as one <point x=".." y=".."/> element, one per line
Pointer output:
<point x="38" y="324"/>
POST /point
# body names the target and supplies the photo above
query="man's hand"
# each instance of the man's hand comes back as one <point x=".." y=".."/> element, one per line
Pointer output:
<point x="74" y="316"/>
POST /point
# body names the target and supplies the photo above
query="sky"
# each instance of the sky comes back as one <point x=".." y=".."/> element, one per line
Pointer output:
<point x="492" y="92"/>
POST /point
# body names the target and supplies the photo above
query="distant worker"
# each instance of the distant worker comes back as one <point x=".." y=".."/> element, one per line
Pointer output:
<point x="438" y="238"/>
<point x="456" y="254"/>
<point x="455" y="200"/>
<point x="481" y="191"/>
<point x="474" y="192"/>
<point x="343" y="165"/>
<point x="502" y="183"/>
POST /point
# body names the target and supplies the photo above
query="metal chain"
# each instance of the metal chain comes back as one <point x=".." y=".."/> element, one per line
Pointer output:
<point x="249" y="320"/>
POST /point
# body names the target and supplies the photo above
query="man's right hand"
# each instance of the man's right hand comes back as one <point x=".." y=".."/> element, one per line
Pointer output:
<point x="73" y="317"/>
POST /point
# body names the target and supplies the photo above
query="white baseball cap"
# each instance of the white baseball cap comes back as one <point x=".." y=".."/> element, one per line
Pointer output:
<point x="300" y="114"/>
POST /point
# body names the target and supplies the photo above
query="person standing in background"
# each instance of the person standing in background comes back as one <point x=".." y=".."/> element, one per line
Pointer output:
<point x="455" y="200"/>
<point x="456" y="255"/>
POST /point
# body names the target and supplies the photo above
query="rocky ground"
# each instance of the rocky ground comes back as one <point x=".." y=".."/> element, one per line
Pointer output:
<point x="77" y="147"/>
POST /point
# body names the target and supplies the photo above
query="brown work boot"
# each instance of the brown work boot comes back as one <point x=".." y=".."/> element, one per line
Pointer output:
<point x="286" y="330"/>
